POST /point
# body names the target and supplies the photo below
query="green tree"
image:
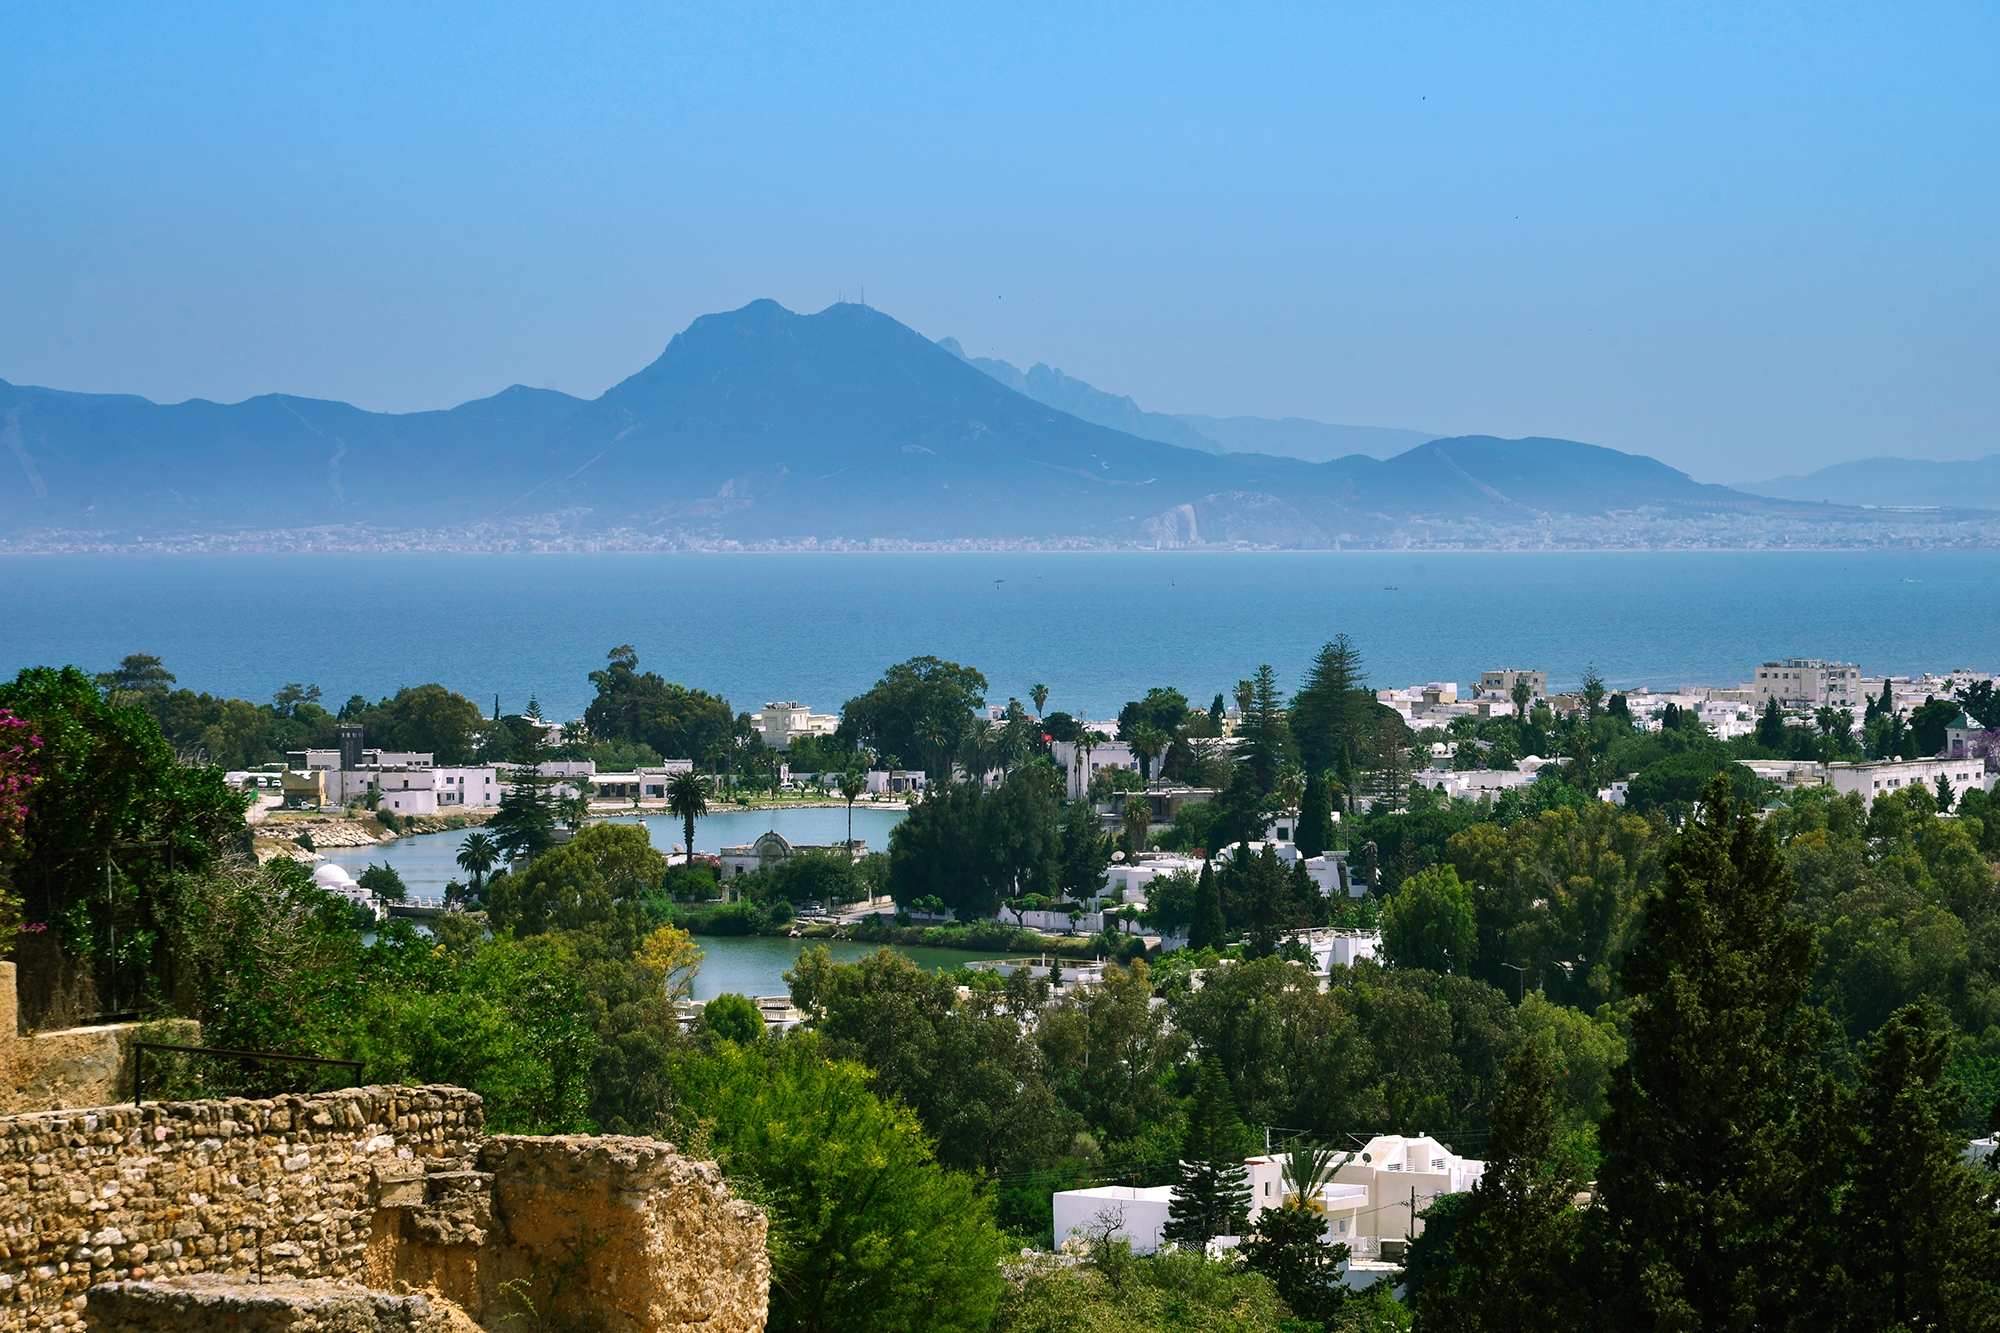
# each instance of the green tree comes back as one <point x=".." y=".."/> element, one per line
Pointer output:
<point x="1040" y="694"/>
<point x="1514" y="1246"/>
<point x="734" y="1018"/>
<point x="110" y="820"/>
<point x="677" y="722"/>
<point x="1912" y="1242"/>
<point x="1211" y="1197"/>
<point x="384" y="883"/>
<point x="580" y="883"/>
<point x="1205" y="927"/>
<point x="1265" y="731"/>
<point x="1430" y="922"/>
<point x="868" y="1232"/>
<point x="687" y="801"/>
<point x="477" y="856"/>
<point x="921" y="708"/>
<point x="1332" y="716"/>
<point x="852" y="785"/>
<point x="1703" y="1182"/>
<point x="1315" y="831"/>
<point x="1771" y="726"/>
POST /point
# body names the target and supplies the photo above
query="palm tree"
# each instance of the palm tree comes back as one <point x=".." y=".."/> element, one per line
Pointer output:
<point x="1149" y="743"/>
<point x="477" y="855"/>
<point x="1138" y="819"/>
<point x="852" y="784"/>
<point x="976" y="754"/>
<point x="1088" y="741"/>
<point x="1522" y="694"/>
<point x="687" y="797"/>
<point x="575" y="810"/>
<point x="1040" y="694"/>
<point x="1309" y="1168"/>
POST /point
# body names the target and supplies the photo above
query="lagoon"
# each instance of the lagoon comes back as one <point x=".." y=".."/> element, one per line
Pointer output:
<point x="742" y="964"/>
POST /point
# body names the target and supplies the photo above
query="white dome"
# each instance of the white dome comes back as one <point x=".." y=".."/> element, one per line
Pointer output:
<point x="331" y="876"/>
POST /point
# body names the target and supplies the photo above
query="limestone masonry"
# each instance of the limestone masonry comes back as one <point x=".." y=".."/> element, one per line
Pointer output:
<point x="332" y="1211"/>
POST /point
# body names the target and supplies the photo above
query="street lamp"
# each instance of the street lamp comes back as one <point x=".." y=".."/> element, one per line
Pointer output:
<point x="1522" y="994"/>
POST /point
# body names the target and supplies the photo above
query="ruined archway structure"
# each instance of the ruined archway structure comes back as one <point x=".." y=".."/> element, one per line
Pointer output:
<point x="367" y="1209"/>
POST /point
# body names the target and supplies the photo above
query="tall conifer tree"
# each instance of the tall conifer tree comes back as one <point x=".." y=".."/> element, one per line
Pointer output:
<point x="1206" y="930"/>
<point x="1514" y="1251"/>
<point x="1703" y="1180"/>
<point x="1212" y="1196"/>
<point x="1912" y="1242"/>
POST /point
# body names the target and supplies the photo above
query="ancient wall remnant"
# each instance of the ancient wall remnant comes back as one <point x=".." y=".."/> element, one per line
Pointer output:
<point x="87" y="1066"/>
<point x="383" y="1189"/>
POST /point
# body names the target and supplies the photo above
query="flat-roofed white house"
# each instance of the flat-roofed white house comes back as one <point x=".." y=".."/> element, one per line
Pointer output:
<point x="1135" y="1214"/>
<point x="1885" y="776"/>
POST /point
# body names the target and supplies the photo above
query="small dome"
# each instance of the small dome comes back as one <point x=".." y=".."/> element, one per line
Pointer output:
<point x="331" y="876"/>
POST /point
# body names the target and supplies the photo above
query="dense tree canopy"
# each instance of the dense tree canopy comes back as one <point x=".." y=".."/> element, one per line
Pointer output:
<point x="918" y="714"/>
<point x="673" y="721"/>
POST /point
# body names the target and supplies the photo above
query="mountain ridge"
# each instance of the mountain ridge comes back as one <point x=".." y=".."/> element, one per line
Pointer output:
<point x="1875" y="482"/>
<point x="762" y="427"/>
<point x="1287" y="437"/>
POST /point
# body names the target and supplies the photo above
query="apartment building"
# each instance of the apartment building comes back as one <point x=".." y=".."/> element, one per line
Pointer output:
<point x="1807" y="682"/>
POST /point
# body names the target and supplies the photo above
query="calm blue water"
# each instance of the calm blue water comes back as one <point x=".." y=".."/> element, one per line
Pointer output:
<point x="1097" y="628"/>
<point x="427" y="862"/>
<point x="745" y="965"/>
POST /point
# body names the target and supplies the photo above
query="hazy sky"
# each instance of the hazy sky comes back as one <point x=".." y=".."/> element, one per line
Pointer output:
<point x="1748" y="239"/>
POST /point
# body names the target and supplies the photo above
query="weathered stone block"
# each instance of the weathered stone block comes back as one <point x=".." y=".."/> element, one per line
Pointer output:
<point x="187" y="1304"/>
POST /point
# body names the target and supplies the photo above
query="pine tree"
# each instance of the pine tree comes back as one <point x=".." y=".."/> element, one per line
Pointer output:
<point x="1511" y="1260"/>
<point x="1912" y="1243"/>
<point x="1703" y="1184"/>
<point x="1330" y="715"/>
<point x="1206" y="929"/>
<point x="526" y="820"/>
<point x="1212" y="1195"/>
<point x="1266" y="731"/>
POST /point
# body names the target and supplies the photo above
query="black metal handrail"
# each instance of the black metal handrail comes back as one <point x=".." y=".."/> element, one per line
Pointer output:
<point x="139" y="1049"/>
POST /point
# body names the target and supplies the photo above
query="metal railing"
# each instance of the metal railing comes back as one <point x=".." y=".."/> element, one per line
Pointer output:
<point x="139" y="1049"/>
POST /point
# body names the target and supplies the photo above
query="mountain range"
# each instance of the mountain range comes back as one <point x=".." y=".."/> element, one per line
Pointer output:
<point x="1287" y="437"/>
<point x="760" y="427"/>
<point x="1915" y="482"/>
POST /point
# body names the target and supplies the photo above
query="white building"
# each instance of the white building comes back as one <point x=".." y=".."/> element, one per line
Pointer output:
<point x="641" y="784"/>
<point x="771" y="849"/>
<point x="1328" y="871"/>
<point x="897" y="782"/>
<point x="1890" y="775"/>
<point x="1129" y="881"/>
<point x="1807" y="682"/>
<point x="780" y="723"/>
<point x="1071" y="758"/>
<point x="1137" y="1216"/>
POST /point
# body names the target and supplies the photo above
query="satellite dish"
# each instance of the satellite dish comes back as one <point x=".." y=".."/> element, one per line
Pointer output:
<point x="1118" y="856"/>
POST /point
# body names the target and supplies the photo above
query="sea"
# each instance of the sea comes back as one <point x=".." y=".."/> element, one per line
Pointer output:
<point x="1096" y="628"/>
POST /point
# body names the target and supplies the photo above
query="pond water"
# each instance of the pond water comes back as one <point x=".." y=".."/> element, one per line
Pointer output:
<point x="427" y="862"/>
<point x="743" y="964"/>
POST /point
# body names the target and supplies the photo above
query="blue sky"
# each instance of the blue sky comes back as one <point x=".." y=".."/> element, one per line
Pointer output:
<point x="1747" y="239"/>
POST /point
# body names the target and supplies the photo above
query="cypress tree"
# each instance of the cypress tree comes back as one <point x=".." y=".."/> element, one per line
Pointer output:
<point x="1703" y="1181"/>
<point x="1912" y="1241"/>
<point x="1511" y="1259"/>
<point x="1212" y="1194"/>
<point x="1315" y="831"/>
<point x="1206" y="930"/>
<point x="1771" y="727"/>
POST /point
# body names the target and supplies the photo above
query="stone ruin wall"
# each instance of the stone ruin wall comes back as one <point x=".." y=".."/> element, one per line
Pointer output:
<point x="385" y="1188"/>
